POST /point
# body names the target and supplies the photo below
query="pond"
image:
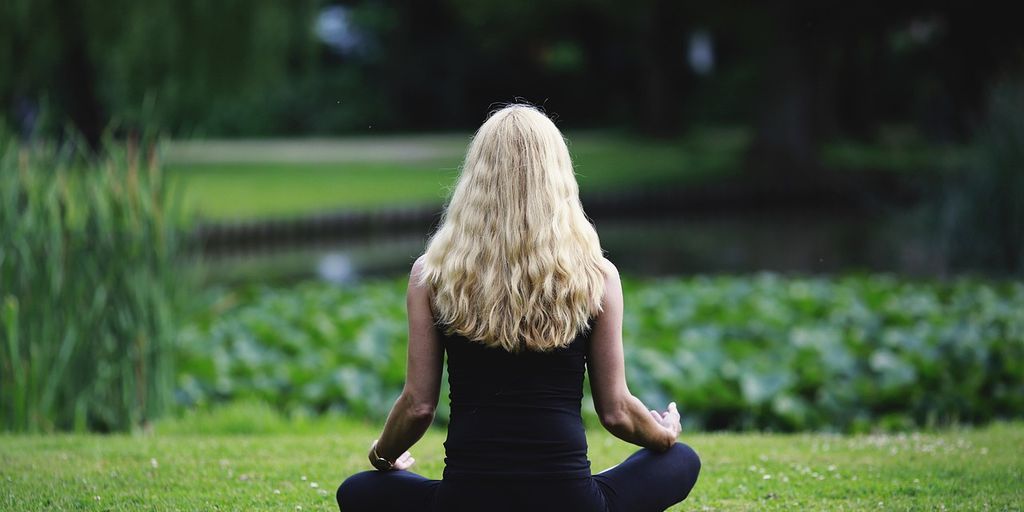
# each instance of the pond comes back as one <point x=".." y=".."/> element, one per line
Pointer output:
<point x="789" y="242"/>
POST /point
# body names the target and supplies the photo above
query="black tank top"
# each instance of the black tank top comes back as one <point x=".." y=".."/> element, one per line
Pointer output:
<point x="515" y="415"/>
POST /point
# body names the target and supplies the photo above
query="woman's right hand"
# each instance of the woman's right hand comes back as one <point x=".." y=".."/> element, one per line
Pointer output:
<point x="404" y="461"/>
<point x="669" y="420"/>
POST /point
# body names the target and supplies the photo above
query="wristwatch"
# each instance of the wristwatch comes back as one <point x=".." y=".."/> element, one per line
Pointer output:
<point x="378" y="459"/>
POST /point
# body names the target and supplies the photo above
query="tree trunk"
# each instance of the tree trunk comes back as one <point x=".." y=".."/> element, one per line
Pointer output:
<point x="76" y="76"/>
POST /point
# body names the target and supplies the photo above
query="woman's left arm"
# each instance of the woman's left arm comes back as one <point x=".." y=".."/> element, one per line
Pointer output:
<point x="413" y="412"/>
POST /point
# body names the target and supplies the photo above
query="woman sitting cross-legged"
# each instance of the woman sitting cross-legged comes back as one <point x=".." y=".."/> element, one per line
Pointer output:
<point x="514" y="288"/>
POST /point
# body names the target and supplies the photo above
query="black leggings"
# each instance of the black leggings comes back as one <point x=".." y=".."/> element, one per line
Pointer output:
<point x="645" y="481"/>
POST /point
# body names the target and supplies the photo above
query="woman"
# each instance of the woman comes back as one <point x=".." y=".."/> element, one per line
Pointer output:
<point x="514" y="288"/>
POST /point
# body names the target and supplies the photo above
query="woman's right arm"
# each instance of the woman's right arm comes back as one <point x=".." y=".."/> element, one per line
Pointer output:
<point x="621" y="413"/>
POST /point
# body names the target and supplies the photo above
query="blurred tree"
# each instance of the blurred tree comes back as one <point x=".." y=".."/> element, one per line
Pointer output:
<point x="962" y="50"/>
<point x="815" y="76"/>
<point x="798" y="73"/>
<point x="178" y="63"/>
<point x="840" y="70"/>
<point x="628" y="62"/>
<point x="45" y="47"/>
<point x="983" y="207"/>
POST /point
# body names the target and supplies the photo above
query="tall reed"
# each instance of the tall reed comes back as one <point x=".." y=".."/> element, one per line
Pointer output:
<point x="90" y="286"/>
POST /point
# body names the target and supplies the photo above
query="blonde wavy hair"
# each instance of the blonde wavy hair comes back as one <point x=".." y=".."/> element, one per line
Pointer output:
<point x="515" y="263"/>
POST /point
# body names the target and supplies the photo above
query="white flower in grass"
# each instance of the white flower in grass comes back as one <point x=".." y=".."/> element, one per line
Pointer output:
<point x="298" y="507"/>
<point x="314" y="485"/>
<point x="277" y="491"/>
<point x="322" y="492"/>
<point x="97" y="498"/>
<point x="303" y="478"/>
<point x="154" y="463"/>
<point x="766" y="477"/>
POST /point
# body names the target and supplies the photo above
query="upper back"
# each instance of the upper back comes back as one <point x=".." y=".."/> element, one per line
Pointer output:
<point x="476" y="369"/>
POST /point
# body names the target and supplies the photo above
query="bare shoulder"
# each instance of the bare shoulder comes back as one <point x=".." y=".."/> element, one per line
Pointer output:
<point x="419" y="265"/>
<point x="611" y="272"/>
<point x="611" y="297"/>
<point x="416" y="274"/>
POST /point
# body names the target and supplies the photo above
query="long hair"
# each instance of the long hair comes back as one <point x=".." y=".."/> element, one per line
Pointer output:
<point x="515" y="263"/>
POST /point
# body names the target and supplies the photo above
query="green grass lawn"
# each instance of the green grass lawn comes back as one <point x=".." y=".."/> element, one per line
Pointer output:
<point x="225" y="179"/>
<point x="222" y="191"/>
<point x="282" y="177"/>
<point x="287" y="467"/>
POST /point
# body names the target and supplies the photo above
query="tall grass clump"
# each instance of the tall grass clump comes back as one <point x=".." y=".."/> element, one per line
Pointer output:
<point x="90" y="287"/>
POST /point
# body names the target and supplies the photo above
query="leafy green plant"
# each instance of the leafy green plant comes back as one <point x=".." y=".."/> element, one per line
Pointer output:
<point x="313" y="348"/>
<point x="761" y="351"/>
<point x="89" y="287"/>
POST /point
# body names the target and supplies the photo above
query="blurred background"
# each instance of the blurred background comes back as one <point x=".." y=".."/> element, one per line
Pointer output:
<point x="816" y="206"/>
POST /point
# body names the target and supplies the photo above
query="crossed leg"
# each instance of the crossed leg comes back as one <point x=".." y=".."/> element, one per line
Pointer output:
<point x="647" y="481"/>
<point x="650" y="481"/>
<point x="386" y="491"/>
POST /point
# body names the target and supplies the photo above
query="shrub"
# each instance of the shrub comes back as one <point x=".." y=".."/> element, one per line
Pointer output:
<point x="313" y="347"/>
<point x="89" y="281"/>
